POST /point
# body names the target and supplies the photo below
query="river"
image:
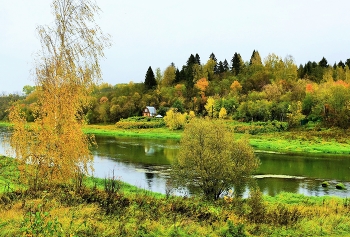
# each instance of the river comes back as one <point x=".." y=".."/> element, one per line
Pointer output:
<point x="146" y="163"/>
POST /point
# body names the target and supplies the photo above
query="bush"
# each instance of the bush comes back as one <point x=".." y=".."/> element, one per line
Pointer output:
<point x="340" y="186"/>
<point x="140" y="123"/>
<point x="233" y="230"/>
<point x="175" y="120"/>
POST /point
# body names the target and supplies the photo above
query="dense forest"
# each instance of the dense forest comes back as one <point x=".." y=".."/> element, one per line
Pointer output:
<point x="256" y="90"/>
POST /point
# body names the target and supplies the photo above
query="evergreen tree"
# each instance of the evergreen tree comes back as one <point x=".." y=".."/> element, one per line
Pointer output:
<point x="216" y="70"/>
<point x="237" y="64"/>
<point x="198" y="59"/>
<point x="341" y="64"/>
<point x="323" y="63"/>
<point x="226" y="66"/>
<point x="150" y="80"/>
<point x="188" y="70"/>
<point x="220" y="68"/>
<point x="177" y="76"/>
<point x="347" y="62"/>
<point x="301" y="72"/>
<point x="255" y="58"/>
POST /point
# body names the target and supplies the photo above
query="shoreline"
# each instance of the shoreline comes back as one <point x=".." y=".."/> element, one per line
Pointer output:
<point x="266" y="143"/>
<point x="278" y="142"/>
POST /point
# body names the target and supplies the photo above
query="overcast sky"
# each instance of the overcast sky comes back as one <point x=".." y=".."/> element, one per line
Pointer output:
<point x="157" y="32"/>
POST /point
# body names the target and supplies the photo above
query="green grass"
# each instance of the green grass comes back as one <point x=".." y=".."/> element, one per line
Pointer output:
<point x="5" y="124"/>
<point x="9" y="175"/>
<point x="111" y="130"/>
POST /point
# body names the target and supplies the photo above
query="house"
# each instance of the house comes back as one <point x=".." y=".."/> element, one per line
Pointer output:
<point x="149" y="111"/>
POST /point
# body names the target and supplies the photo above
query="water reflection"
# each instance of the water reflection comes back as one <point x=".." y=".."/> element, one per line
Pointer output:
<point x="145" y="163"/>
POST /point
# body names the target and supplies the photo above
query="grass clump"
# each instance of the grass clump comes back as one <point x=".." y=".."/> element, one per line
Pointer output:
<point x="325" y="184"/>
<point x="340" y="186"/>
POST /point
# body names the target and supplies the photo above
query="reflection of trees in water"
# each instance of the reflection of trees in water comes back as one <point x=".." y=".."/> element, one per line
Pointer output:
<point x="306" y="166"/>
<point x="273" y="186"/>
<point x="149" y="179"/>
<point x="170" y="154"/>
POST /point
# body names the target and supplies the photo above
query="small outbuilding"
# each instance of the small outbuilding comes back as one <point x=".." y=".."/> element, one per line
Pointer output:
<point x="149" y="111"/>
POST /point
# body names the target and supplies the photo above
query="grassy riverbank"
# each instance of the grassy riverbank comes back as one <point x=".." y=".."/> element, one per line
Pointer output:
<point x="330" y="141"/>
<point x="94" y="210"/>
<point x="302" y="140"/>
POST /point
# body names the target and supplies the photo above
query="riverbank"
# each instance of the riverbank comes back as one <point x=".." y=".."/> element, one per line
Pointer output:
<point x="325" y="142"/>
<point x="310" y="141"/>
<point x="93" y="210"/>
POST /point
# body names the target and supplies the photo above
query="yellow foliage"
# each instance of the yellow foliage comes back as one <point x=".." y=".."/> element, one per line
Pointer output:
<point x="209" y="106"/>
<point x="54" y="149"/>
<point x="223" y="113"/>
<point x="236" y="87"/>
<point x="192" y="114"/>
<point x="175" y="120"/>
<point x="202" y="84"/>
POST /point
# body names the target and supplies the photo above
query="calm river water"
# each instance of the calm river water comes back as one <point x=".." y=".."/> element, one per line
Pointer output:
<point x="146" y="163"/>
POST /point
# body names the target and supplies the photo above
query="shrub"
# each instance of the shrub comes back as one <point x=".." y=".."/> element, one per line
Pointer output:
<point x="140" y="123"/>
<point x="340" y="186"/>
<point x="175" y="120"/>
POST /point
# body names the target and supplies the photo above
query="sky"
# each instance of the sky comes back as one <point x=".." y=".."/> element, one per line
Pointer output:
<point x="158" y="32"/>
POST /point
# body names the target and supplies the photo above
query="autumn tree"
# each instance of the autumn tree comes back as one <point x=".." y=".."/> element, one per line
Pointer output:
<point x="174" y="120"/>
<point x="169" y="75"/>
<point x="211" y="161"/>
<point x="295" y="114"/>
<point x="54" y="148"/>
<point x="209" y="107"/>
<point x="255" y="59"/>
<point x="158" y="76"/>
<point x="202" y="84"/>
<point x="236" y="87"/>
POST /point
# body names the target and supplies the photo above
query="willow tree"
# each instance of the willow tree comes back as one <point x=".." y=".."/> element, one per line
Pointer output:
<point x="54" y="149"/>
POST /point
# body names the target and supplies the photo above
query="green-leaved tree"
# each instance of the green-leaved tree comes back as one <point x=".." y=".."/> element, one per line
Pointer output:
<point x="211" y="161"/>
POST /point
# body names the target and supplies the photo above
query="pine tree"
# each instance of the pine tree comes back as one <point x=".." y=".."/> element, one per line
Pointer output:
<point x="150" y="80"/>
<point x="226" y="66"/>
<point x="237" y="64"/>
<point x="188" y="70"/>
<point x="216" y="70"/>
<point x="347" y="62"/>
<point x="323" y="63"/>
<point x="220" y="68"/>
<point x="341" y="64"/>
<point x="301" y="71"/>
<point x="177" y="76"/>
<point x="198" y="59"/>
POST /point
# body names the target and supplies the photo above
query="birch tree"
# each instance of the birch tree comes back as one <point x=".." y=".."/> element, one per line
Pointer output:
<point x="54" y="149"/>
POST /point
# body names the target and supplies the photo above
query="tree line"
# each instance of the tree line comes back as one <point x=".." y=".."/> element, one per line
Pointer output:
<point x="272" y="88"/>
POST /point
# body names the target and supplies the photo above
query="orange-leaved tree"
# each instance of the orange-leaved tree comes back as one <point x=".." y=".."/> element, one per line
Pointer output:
<point x="54" y="149"/>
